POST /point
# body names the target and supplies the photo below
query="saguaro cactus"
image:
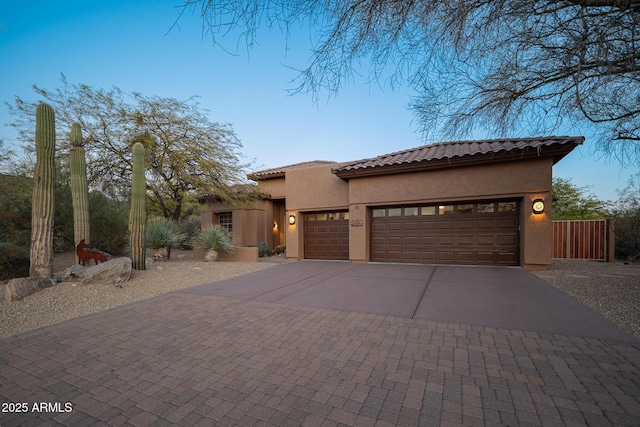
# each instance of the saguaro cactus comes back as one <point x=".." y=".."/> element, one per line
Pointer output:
<point x="41" y="257"/>
<point x="79" y="187"/>
<point x="138" y="213"/>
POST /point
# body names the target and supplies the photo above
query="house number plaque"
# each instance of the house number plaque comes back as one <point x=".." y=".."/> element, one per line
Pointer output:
<point x="357" y="223"/>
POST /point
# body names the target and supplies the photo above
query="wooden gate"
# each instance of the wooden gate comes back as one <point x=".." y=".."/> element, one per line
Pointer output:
<point x="592" y="239"/>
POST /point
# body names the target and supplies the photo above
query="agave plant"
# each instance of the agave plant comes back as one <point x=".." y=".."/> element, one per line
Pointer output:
<point x="215" y="239"/>
<point x="161" y="234"/>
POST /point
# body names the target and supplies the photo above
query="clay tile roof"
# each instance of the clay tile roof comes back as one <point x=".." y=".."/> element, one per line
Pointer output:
<point x="280" y="171"/>
<point x="458" y="153"/>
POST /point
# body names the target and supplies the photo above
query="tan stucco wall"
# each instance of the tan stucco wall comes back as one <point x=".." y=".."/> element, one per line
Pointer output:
<point x="274" y="187"/>
<point x="315" y="189"/>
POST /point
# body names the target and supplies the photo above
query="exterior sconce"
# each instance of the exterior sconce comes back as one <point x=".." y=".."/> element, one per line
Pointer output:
<point x="538" y="206"/>
<point x="292" y="219"/>
<point x="275" y="225"/>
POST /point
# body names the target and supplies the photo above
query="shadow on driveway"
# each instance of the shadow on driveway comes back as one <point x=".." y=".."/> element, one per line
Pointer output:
<point x="500" y="297"/>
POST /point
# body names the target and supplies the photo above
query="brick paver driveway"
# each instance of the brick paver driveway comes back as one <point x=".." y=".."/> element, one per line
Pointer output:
<point x="293" y="347"/>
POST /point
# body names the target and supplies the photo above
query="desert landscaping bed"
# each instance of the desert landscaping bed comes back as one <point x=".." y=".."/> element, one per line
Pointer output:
<point x="611" y="289"/>
<point x="69" y="300"/>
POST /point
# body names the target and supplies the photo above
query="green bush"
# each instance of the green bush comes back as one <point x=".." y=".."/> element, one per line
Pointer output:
<point x="280" y="249"/>
<point x="263" y="250"/>
<point x="190" y="226"/>
<point x="14" y="261"/>
<point x="216" y="238"/>
<point x="163" y="233"/>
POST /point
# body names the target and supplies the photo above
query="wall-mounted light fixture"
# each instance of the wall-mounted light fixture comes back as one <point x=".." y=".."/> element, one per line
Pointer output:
<point x="275" y="225"/>
<point x="538" y="206"/>
<point x="292" y="219"/>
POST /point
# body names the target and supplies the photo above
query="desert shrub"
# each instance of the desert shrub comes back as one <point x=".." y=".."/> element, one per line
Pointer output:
<point x="280" y="249"/>
<point x="190" y="227"/>
<point x="263" y="250"/>
<point x="14" y="261"/>
<point x="216" y="238"/>
<point x="163" y="233"/>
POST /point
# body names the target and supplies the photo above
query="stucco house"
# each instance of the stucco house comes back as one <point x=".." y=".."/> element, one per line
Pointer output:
<point x="464" y="202"/>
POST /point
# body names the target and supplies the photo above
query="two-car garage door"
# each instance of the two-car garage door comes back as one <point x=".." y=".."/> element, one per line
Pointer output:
<point x="455" y="233"/>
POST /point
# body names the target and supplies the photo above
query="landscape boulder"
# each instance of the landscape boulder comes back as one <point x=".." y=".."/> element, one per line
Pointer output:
<point x="73" y="274"/>
<point x="114" y="272"/>
<point x="17" y="289"/>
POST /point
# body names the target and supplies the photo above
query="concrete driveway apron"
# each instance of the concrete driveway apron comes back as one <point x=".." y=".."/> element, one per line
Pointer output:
<point x="331" y="343"/>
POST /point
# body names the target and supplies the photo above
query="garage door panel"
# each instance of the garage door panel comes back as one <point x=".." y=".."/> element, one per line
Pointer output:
<point x="410" y="226"/>
<point x="464" y="257"/>
<point x="508" y="223"/>
<point x="394" y="240"/>
<point x="446" y="256"/>
<point x="427" y="256"/>
<point x="446" y="224"/>
<point x="466" y="240"/>
<point x="446" y="240"/>
<point x="466" y="224"/>
<point x="428" y="225"/>
<point x="485" y="223"/>
<point x="461" y="234"/>
<point x="428" y="240"/>
<point x="503" y="240"/>
<point x="411" y="241"/>
<point x="486" y="240"/>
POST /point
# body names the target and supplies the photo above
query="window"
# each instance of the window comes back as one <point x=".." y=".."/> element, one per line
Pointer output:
<point x="226" y="221"/>
<point x="507" y="207"/>
<point x="310" y="217"/>
<point x="334" y="216"/>
<point x="345" y="215"/>
<point x="395" y="211"/>
<point x="321" y="217"/>
<point x="464" y="209"/>
<point x="378" y="213"/>
<point x="485" y="207"/>
<point x="410" y="211"/>
<point x="428" y="210"/>
<point x="445" y="210"/>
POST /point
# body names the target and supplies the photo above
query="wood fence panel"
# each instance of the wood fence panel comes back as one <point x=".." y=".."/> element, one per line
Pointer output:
<point x="581" y="239"/>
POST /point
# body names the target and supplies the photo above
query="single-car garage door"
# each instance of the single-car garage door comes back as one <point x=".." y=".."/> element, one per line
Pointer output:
<point x="455" y="233"/>
<point x="326" y="235"/>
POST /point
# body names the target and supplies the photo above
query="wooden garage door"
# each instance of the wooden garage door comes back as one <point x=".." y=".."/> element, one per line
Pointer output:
<point x="326" y="235"/>
<point x="454" y="233"/>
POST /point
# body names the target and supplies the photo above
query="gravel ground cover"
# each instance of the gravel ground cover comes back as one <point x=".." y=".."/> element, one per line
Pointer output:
<point x="611" y="289"/>
<point x="69" y="300"/>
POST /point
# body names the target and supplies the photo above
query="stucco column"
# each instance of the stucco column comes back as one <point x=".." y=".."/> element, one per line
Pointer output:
<point x="358" y="233"/>
<point x="294" y="236"/>
<point x="537" y="233"/>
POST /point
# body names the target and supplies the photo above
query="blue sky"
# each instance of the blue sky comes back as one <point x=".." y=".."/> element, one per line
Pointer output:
<point x="127" y="44"/>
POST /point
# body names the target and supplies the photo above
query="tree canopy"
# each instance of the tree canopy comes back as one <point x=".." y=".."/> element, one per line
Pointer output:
<point x="573" y="202"/>
<point x="187" y="155"/>
<point x="502" y="66"/>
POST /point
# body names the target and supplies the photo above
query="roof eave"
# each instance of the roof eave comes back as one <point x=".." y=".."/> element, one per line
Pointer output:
<point x="556" y="153"/>
<point x="262" y="177"/>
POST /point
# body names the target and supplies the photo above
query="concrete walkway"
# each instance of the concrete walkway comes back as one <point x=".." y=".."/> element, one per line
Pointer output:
<point x="290" y="345"/>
